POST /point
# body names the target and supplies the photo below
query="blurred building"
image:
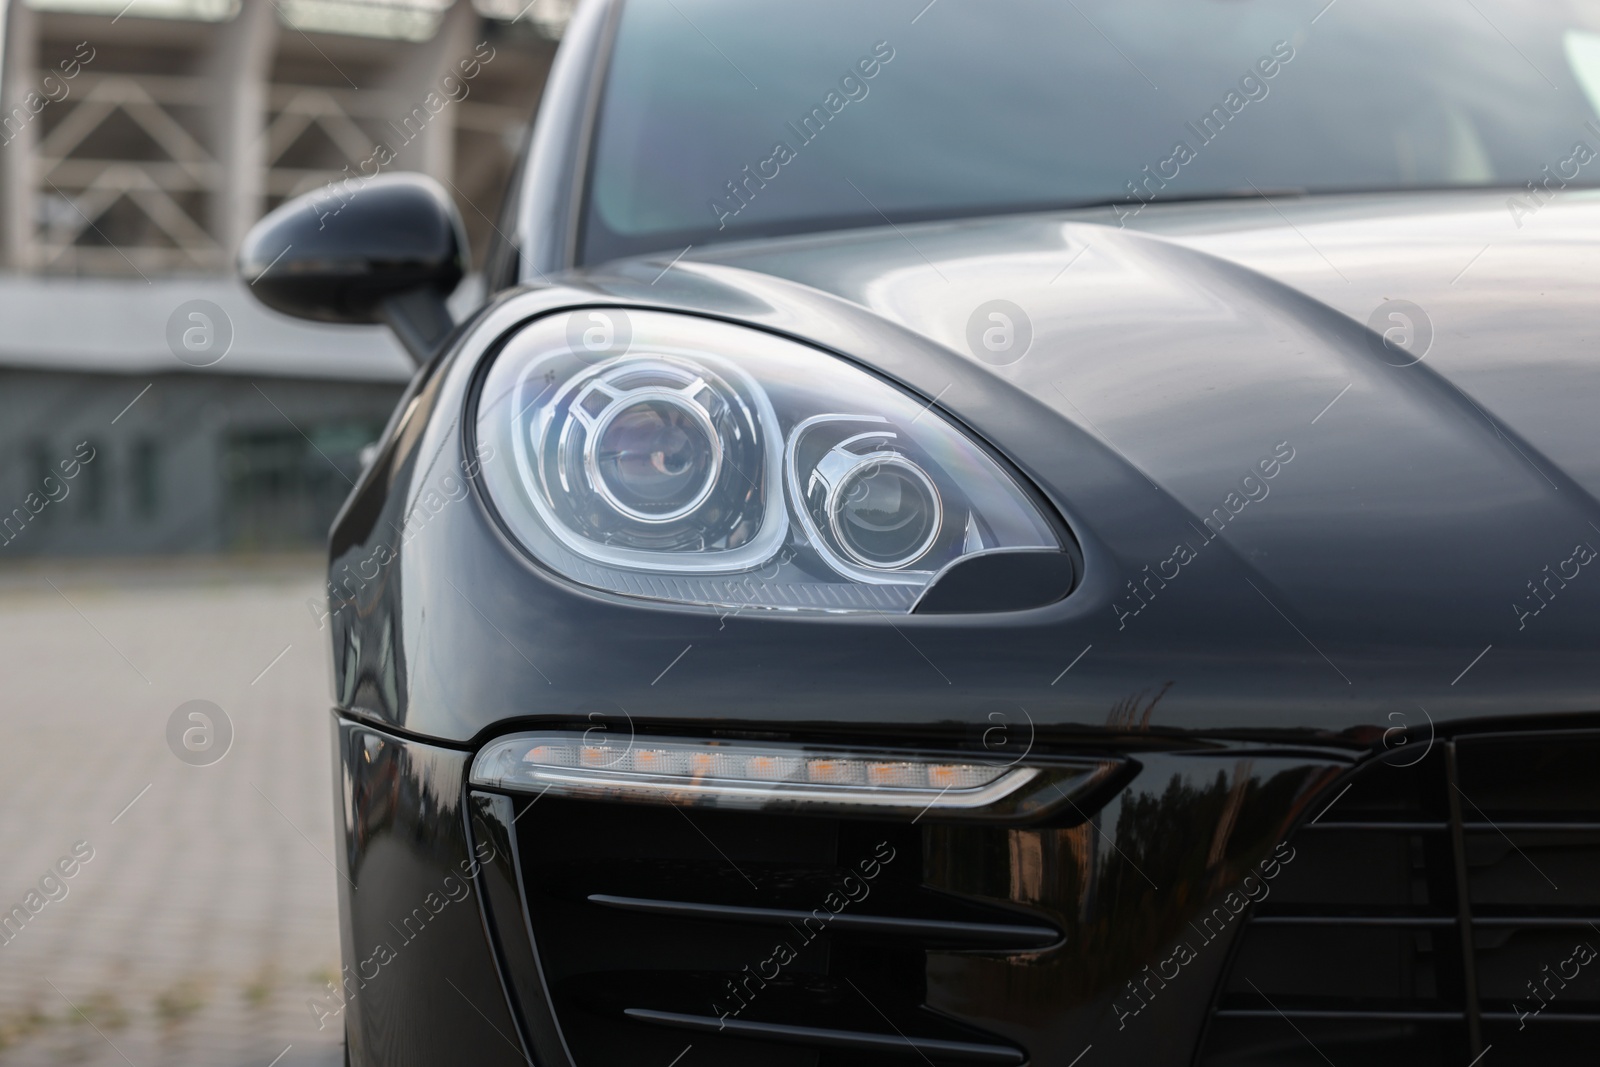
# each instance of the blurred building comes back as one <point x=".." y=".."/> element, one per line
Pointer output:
<point x="139" y="140"/>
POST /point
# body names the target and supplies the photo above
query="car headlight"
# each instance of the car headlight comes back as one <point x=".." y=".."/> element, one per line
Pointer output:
<point x="708" y="463"/>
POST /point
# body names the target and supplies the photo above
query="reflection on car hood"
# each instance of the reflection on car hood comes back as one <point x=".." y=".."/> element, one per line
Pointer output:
<point x="1194" y="314"/>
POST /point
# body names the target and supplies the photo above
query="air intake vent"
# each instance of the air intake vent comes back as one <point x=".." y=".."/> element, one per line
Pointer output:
<point x="756" y="938"/>
<point x="1440" y="903"/>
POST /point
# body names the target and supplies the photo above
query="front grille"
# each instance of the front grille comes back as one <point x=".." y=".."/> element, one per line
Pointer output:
<point x="754" y="938"/>
<point x="1443" y="901"/>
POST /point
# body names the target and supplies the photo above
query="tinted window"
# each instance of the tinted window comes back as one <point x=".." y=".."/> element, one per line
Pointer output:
<point x="733" y="119"/>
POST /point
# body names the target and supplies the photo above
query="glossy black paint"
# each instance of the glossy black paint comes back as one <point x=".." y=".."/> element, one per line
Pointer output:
<point x="1345" y="610"/>
<point x="337" y="254"/>
<point x="504" y="900"/>
<point x="1402" y="574"/>
<point x="1000" y="581"/>
<point x="420" y="982"/>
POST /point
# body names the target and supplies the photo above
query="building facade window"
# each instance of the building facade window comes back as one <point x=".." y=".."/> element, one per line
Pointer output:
<point x="144" y="480"/>
<point x="90" y="487"/>
<point x="41" y="465"/>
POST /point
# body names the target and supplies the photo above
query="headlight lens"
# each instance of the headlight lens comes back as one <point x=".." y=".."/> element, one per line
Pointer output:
<point x="880" y="507"/>
<point x="655" y="458"/>
<point x="715" y="464"/>
<point x="643" y="453"/>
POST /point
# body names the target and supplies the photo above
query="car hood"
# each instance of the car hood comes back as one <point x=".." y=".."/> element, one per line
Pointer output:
<point x="1444" y="503"/>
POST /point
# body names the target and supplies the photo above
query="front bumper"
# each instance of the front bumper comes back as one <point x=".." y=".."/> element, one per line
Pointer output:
<point x="570" y="950"/>
<point x="1226" y="904"/>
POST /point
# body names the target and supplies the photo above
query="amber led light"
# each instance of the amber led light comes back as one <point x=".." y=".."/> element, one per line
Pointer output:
<point x="756" y="776"/>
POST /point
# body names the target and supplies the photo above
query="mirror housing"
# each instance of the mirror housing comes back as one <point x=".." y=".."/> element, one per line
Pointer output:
<point x="388" y="249"/>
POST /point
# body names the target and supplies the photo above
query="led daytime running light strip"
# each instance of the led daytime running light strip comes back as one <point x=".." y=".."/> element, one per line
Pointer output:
<point x="740" y="775"/>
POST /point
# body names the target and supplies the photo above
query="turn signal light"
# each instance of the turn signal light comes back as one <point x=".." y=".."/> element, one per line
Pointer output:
<point x="764" y="776"/>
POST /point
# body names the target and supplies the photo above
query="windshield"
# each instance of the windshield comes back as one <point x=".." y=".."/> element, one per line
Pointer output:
<point x="726" y="119"/>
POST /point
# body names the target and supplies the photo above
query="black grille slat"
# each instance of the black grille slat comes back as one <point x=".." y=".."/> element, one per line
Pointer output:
<point x="1376" y="826"/>
<point x="1293" y="1012"/>
<point x="1355" y="920"/>
<point x="879" y="1043"/>
<point x="766" y="939"/>
<point x="1473" y="871"/>
<point x="931" y="931"/>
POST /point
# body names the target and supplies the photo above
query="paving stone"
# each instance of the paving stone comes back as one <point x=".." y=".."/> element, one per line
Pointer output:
<point x="207" y="915"/>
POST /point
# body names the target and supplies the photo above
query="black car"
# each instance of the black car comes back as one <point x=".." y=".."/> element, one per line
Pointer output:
<point x="973" y="533"/>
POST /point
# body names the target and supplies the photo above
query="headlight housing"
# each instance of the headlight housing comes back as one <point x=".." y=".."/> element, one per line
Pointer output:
<point x="707" y="463"/>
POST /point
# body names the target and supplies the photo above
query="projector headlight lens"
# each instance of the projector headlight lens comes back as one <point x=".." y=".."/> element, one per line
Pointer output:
<point x="643" y="454"/>
<point x="881" y="509"/>
<point x="655" y="457"/>
<point x="719" y="465"/>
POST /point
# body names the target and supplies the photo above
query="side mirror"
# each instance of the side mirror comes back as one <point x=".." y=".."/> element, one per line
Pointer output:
<point x="389" y="249"/>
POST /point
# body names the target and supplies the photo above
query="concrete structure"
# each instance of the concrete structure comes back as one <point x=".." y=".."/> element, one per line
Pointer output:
<point x="136" y="146"/>
<point x="139" y="140"/>
<point x="253" y="451"/>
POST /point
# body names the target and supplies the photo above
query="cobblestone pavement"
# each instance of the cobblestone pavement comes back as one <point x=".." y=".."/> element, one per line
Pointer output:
<point x="206" y="914"/>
